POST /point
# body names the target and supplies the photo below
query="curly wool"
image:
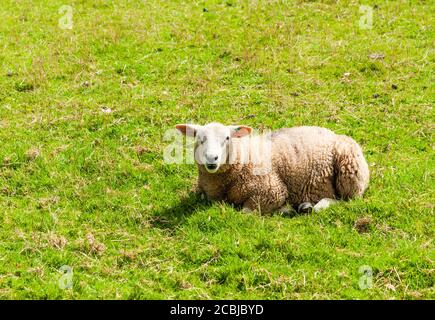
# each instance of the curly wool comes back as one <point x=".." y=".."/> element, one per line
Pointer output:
<point x="307" y="164"/>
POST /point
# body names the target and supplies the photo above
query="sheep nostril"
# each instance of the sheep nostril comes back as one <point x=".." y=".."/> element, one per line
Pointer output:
<point x="211" y="166"/>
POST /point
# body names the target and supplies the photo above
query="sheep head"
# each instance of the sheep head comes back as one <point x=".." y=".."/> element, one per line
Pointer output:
<point x="212" y="142"/>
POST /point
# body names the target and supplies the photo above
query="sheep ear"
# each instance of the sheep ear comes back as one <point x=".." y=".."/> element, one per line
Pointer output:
<point x="188" y="130"/>
<point x="240" y="131"/>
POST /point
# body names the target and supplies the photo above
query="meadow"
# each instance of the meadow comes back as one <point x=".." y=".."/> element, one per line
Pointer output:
<point x="89" y="208"/>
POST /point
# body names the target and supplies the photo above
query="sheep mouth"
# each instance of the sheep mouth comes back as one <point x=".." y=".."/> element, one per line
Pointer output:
<point x="211" y="167"/>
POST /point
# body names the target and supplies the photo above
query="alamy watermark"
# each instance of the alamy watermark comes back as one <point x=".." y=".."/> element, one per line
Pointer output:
<point x="66" y="279"/>
<point x="66" y="20"/>
<point x="366" y="20"/>
<point x="366" y="279"/>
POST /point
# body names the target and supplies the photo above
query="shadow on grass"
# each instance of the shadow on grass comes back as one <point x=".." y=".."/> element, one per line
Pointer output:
<point x="174" y="215"/>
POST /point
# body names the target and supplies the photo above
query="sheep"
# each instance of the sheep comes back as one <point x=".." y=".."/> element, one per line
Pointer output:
<point x="307" y="167"/>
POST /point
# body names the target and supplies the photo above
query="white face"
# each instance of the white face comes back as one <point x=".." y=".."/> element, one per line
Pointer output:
<point x="212" y="142"/>
<point x="211" y="147"/>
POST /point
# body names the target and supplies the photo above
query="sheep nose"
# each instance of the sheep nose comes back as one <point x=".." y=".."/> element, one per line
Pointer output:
<point x="211" y="158"/>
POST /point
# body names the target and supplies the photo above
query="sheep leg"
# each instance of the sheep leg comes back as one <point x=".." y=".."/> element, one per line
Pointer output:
<point x="272" y="200"/>
<point x="255" y="203"/>
<point x="251" y="205"/>
<point x="323" y="204"/>
<point x="246" y="210"/>
<point x="286" y="210"/>
<point x="305" y="207"/>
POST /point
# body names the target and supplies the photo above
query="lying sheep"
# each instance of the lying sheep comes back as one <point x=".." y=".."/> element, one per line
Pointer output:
<point x="306" y="167"/>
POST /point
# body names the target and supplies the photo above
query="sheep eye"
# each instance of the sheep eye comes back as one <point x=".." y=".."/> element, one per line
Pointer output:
<point x="227" y="138"/>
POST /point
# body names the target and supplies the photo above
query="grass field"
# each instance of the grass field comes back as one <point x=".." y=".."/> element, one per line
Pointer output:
<point x="90" y="210"/>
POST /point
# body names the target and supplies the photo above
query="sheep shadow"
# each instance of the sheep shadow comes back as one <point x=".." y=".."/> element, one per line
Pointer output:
<point x="172" y="216"/>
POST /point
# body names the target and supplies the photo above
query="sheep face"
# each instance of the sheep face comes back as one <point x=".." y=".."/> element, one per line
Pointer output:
<point x="212" y="142"/>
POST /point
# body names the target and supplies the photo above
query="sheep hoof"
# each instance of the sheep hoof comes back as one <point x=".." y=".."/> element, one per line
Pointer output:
<point x="305" y="207"/>
<point x="323" y="204"/>
<point x="286" y="211"/>
<point x="247" y="210"/>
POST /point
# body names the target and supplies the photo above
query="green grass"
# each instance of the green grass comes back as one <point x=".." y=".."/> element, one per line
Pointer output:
<point x="89" y="189"/>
